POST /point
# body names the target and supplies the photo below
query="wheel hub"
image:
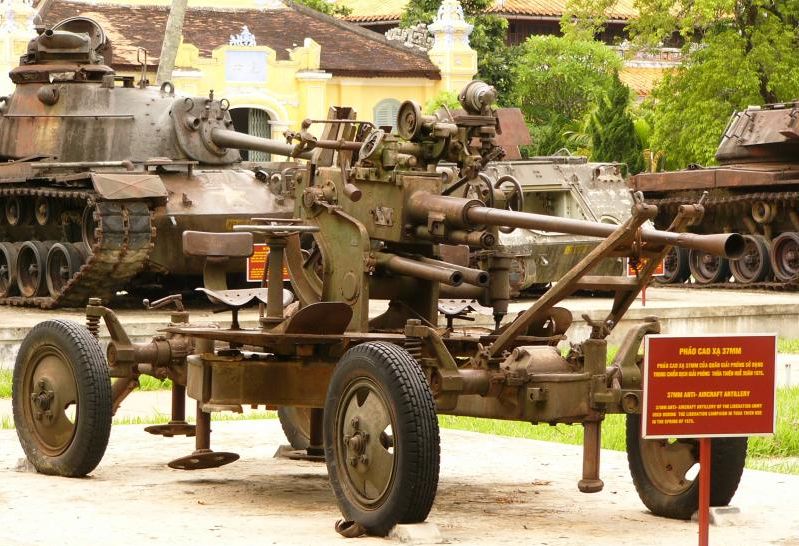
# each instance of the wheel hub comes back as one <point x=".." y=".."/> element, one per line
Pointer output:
<point x="41" y="399"/>
<point x="356" y="444"/>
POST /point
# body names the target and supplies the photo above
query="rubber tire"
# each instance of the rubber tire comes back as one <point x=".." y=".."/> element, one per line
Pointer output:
<point x="726" y="466"/>
<point x="418" y="456"/>
<point x="93" y="421"/>
<point x="296" y="426"/>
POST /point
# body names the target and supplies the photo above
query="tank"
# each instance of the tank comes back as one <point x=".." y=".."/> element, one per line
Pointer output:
<point x="100" y="175"/>
<point x="565" y="186"/>
<point x="754" y="190"/>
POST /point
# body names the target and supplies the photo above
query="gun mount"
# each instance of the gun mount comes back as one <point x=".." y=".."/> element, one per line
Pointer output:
<point x="362" y="391"/>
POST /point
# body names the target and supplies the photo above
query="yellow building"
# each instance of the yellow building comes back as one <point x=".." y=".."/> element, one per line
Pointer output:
<point x="276" y="63"/>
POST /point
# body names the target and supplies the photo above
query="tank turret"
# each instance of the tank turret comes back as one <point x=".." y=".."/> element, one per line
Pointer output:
<point x="102" y="174"/>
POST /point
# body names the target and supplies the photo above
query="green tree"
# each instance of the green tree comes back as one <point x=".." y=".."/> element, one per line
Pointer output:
<point x="326" y="7"/>
<point x="488" y="39"/>
<point x="584" y="19"/>
<point x="445" y="98"/>
<point x="613" y="133"/>
<point x="557" y="82"/>
<point x="735" y="54"/>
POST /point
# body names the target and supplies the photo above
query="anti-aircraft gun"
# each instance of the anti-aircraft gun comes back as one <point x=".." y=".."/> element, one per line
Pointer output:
<point x="372" y="385"/>
<point x="101" y="175"/>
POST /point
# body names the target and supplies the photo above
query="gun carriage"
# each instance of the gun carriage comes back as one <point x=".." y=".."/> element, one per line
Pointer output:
<point x="366" y="389"/>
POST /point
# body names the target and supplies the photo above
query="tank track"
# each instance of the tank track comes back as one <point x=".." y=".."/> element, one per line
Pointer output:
<point x="791" y="197"/>
<point x="710" y="201"/>
<point x="123" y="240"/>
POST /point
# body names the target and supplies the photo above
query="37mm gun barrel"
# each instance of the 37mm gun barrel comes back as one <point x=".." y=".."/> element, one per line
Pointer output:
<point x="729" y="245"/>
<point x="461" y="212"/>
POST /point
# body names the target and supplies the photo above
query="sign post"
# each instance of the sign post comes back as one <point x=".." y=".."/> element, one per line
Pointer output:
<point x="708" y="386"/>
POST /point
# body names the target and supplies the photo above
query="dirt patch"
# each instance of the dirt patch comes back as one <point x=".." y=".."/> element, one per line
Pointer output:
<point x="493" y="490"/>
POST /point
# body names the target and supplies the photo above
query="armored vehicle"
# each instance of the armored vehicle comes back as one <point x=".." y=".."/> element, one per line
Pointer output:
<point x="101" y="175"/>
<point x="372" y="385"/>
<point x="754" y="190"/>
<point x="568" y="187"/>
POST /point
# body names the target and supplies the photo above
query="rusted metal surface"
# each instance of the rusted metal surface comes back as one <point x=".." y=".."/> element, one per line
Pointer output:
<point x="233" y="245"/>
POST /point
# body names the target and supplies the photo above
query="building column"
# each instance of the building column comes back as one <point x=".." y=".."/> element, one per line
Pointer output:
<point x="16" y="30"/>
<point x="451" y="51"/>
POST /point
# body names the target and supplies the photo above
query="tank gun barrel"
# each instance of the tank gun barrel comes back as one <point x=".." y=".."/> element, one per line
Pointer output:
<point x="225" y="138"/>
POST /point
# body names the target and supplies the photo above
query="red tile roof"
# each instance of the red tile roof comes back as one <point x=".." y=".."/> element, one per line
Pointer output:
<point x="368" y="11"/>
<point x="347" y="50"/>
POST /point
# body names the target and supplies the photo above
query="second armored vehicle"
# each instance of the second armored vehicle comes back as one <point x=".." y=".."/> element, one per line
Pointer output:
<point x="755" y="190"/>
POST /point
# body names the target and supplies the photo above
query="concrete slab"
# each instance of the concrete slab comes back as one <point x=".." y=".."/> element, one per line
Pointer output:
<point x="492" y="490"/>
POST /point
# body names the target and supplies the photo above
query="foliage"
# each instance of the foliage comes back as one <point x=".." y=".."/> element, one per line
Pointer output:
<point x="329" y="8"/>
<point x="494" y="58"/>
<point x="557" y="83"/>
<point x="584" y="19"/>
<point x="736" y="54"/>
<point x="445" y="98"/>
<point x="613" y="134"/>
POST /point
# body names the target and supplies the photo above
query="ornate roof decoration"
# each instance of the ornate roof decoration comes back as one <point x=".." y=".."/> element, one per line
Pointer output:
<point x="416" y="36"/>
<point x="244" y="38"/>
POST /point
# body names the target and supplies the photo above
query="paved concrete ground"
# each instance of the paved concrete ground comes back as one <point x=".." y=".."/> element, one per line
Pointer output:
<point x="493" y="490"/>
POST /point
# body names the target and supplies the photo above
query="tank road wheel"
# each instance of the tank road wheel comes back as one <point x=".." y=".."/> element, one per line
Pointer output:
<point x="296" y="424"/>
<point x="675" y="267"/>
<point x="31" y="268"/>
<point x="754" y="265"/>
<point x="62" y="399"/>
<point x="63" y="263"/>
<point x="660" y="471"/>
<point x="8" y="269"/>
<point x="43" y="211"/>
<point x="381" y="438"/>
<point x="707" y="268"/>
<point x="89" y="226"/>
<point x="16" y="211"/>
<point x="785" y="256"/>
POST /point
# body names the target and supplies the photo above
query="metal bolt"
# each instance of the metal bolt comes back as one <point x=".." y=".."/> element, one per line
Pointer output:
<point x="355" y="423"/>
<point x="41" y="384"/>
<point x="353" y="461"/>
<point x="49" y="415"/>
<point x="364" y="459"/>
<point x="37" y="415"/>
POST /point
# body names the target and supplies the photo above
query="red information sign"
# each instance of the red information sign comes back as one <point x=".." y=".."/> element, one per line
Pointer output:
<point x="707" y="386"/>
<point x="257" y="262"/>
<point x="642" y="262"/>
